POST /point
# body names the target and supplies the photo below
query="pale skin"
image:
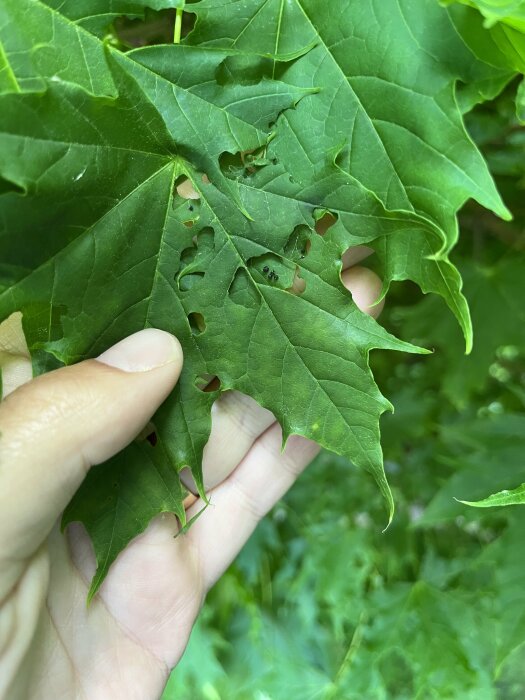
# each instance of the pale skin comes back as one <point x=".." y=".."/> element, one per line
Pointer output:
<point x="52" y="430"/>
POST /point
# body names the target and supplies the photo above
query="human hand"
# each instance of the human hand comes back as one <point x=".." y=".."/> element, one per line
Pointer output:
<point x="52" y="429"/>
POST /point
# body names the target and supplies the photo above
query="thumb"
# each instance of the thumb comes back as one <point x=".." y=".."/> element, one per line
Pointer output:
<point x="58" y="425"/>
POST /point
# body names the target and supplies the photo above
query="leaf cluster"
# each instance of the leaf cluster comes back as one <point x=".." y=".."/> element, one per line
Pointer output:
<point x="320" y="604"/>
<point x="277" y="113"/>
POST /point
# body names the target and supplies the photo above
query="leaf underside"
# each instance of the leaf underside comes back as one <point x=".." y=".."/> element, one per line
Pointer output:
<point x="277" y="112"/>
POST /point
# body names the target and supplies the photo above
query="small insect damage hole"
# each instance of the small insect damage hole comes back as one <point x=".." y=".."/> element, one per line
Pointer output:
<point x="243" y="164"/>
<point x="15" y="358"/>
<point x="186" y="201"/>
<point x="366" y="289"/>
<point x="196" y="257"/>
<point x="207" y="383"/>
<point x="152" y="438"/>
<point x="185" y="189"/>
<point x="324" y="221"/>
<point x="188" y="281"/>
<point x="298" y="245"/>
<point x="242" y="291"/>
<point x="354" y="255"/>
<point x="197" y="323"/>
<point x="154" y="27"/>
<point x="298" y="285"/>
<point x="149" y="434"/>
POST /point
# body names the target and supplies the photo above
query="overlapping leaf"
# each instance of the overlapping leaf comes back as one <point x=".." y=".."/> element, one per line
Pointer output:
<point x="511" y="12"/>
<point x="352" y="112"/>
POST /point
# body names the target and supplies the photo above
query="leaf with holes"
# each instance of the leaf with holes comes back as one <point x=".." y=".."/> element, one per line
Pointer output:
<point x="183" y="186"/>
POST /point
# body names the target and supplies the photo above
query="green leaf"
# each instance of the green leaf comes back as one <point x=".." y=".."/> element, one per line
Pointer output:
<point x="368" y="112"/>
<point x="502" y="498"/>
<point x="505" y="23"/>
<point x="125" y="494"/>
<point x="511" y="12"/>
<point x="277" y="115"/>
<point x="34" y="46"/>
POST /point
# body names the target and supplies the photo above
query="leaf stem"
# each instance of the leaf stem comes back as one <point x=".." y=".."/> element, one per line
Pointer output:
<point x="178" y="27"/>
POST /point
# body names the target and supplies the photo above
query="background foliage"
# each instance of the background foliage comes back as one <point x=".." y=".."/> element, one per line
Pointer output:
<point x="320" y="604"/>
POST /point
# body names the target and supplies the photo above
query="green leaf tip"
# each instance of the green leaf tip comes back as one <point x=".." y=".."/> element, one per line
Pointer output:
<point x="506" y="497"/>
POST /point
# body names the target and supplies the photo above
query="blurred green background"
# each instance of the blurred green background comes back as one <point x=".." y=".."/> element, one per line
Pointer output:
<point x="321" y="604"/>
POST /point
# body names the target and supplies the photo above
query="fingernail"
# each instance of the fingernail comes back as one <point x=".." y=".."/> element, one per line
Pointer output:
<point x="143" y="351"/>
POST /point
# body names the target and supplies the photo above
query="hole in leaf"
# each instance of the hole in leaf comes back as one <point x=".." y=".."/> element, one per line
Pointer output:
<point x="201" y="249"/>
<point x="185" y="189"/>
<point x="189" y="223"/>
<point x="187" y="282"/>
<point x="207" y="383"/>
<point x="147" y="432"/>
<point x="197" y="323"/>
<point x="243" y="164"/>
<point x="232" y="165"/>
<point x="205" y="179"/>
<point x="188" y="255"/>
<point x="354" y="255"/>
<point x="152" y="438"/>
<point x="298" y="245"/>
<point x="326" y="221"/>
<point x="299" y="284"/>
<point x="242" y="290"/>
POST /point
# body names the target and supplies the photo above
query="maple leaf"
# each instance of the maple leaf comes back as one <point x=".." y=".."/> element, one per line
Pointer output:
<point x="288" y="118"/>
